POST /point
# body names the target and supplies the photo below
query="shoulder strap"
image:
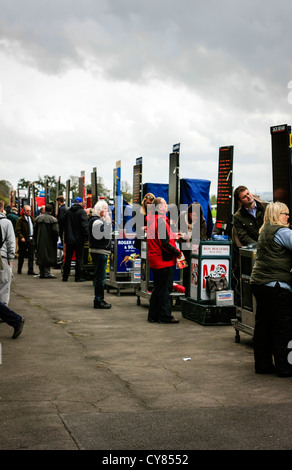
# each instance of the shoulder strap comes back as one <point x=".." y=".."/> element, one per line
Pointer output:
<point x="1" y="237"/>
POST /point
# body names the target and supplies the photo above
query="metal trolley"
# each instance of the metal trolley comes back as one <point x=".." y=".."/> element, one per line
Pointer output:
<point x="245" y="314"/>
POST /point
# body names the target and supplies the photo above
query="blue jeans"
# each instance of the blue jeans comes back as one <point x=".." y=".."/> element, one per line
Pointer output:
<point x="100" y="262"/>
<point x="9" y="316"/>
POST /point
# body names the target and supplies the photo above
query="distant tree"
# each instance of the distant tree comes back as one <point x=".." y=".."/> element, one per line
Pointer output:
<point x="51" y="181"/>
<point x="126" y="191"/>
<point x="101" y="189"/>
<point x="39" y="185"/>
<point x="23" y="184"/>
<point x="74" y="186"/>
<point x="213" y="200"/>
<point x="5" y="187"/>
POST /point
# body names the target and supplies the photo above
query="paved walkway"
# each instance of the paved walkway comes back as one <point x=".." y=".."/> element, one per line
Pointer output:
<point x="80" y="378"/>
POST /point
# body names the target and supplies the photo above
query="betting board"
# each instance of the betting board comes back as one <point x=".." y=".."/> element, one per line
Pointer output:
<point x="281" y="163"/>
<point x="137" y="181"/>
<point x="224" y="192"/>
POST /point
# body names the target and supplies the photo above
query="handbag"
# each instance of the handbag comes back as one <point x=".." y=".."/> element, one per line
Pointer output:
<point x="217" y="283"/>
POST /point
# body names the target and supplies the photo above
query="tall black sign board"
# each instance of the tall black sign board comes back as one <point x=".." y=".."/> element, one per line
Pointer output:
<point x="68" y="193"/>
<point x="224" y="192"/>
<point x="137" y="181"/>
<point x="173" y="183"/>
<point x="281" y="164"/>
<point x="94" y="187"/>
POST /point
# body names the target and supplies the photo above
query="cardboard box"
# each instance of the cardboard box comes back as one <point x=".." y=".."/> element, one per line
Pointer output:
<point x="223" y="297"/>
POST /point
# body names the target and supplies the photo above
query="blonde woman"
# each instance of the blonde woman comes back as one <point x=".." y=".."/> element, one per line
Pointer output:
<point x="271" y="282"/>
<point x="148" y="199"/>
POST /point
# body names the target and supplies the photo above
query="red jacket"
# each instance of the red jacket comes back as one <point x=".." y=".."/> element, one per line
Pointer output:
<point x="162" y="251"/>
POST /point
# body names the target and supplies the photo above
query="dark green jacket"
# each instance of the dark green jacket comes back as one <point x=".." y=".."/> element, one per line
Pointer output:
<point x="273" y="261"/>
<point x="22" y="230"/>
<point x="246" y="226"/>
<point x="13" y="218"/>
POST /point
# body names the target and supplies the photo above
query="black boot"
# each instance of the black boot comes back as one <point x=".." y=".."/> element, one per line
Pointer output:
<point x="101" y="304"/>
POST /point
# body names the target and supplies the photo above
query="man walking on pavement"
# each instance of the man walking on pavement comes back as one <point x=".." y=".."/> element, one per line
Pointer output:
<point x="75" y="236"/>
<point x="7" y="255"/>
<point x="7" y="252"/>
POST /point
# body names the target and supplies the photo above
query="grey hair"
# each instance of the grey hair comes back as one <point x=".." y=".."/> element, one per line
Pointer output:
<point x="99" y="206"/>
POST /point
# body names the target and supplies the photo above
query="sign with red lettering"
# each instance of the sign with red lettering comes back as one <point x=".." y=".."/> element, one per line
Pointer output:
<point x="209" y="267"/>
<point x="224" y="193"/>
<point x="216" y="250"/>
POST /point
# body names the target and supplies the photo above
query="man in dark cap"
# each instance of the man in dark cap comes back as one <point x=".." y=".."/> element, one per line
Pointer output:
<point x="75" y="236"/>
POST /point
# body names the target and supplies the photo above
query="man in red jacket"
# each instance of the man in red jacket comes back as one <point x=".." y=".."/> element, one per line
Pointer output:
<point x="162" y="254"/>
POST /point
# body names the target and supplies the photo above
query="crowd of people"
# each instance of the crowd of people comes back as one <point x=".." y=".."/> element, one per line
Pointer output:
<point x="35" y="240"/>
<point x="255" y="223"/>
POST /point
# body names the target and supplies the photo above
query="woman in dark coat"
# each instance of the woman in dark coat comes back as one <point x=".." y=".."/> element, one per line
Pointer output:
<point x="46" y="236"/>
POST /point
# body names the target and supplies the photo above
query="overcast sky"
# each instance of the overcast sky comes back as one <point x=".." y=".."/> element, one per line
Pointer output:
<point x="85" y="83"/>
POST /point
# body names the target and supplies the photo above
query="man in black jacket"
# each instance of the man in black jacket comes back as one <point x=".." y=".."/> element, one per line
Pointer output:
<point x="100" y="248"/>
<point x="249" y="218"/>
<point x="76" y="234"/>
<point x="24" y="232"/>
<point x="247" y="221"/>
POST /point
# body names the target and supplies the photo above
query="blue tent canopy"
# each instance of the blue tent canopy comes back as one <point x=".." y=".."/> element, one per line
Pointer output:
<point x="158" y="189"/>
<point x="191" y="190"/>
<point x="196" y="190"/>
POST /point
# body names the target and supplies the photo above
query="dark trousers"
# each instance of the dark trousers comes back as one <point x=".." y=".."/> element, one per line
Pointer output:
<point x="273" y="328"/>
<point x="100" y="262"/>
<point x="160" y="302"/>
<point x="9" y="316"/>
<point x="79" y="253"/>
<point x="25" y="250"/>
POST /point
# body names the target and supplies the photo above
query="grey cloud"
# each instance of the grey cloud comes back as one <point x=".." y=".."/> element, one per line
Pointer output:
<point x="234" y="55"/>
<point x="193" y="42"/>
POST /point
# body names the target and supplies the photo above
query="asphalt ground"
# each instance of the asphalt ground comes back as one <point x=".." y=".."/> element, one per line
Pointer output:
<point x="78" y="378"/>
